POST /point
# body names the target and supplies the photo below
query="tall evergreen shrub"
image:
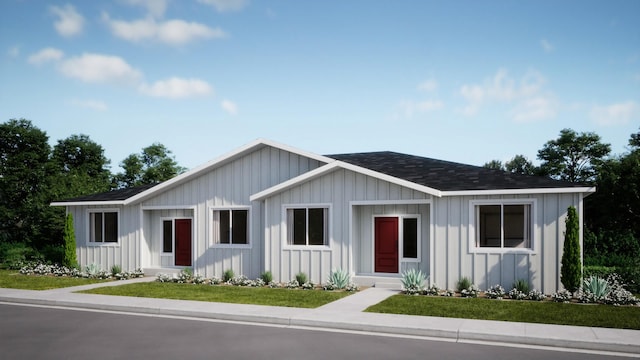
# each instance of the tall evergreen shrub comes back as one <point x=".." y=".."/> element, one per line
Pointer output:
<point x="571" y="271"/>
<point x="69" y="237"/>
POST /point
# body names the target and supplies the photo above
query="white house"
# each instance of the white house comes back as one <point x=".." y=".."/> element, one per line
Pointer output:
<point x="268" y="206"/>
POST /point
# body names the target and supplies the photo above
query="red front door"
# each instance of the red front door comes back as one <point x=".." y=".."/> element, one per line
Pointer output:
<point x="183" y="242"/>
<point x="386" y="245"/>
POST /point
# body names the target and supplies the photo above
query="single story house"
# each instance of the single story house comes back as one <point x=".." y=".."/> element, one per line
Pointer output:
<point x="268" y="206"/>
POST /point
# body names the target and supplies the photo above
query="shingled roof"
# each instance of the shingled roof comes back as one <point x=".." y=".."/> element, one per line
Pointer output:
<point x="445" y="175"/>
<point x="113" y="195"/>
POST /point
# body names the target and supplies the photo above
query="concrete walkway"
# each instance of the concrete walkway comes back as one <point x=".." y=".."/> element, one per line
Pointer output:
<point x="345" y="314"/>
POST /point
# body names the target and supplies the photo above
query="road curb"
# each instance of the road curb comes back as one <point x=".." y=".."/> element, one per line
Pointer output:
<point x="458" y="330"/>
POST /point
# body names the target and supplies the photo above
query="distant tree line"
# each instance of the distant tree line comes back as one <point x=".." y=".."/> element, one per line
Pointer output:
<point x="33" y="174"/>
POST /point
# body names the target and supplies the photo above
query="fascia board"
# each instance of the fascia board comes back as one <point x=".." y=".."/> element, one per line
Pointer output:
<point x="531" y="191"/>
<point x="87" y="203"/>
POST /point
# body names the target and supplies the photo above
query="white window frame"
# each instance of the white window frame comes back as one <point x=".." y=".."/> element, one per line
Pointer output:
<point x="473" y="248"/>
<point x="212" y="230"/>
<point x="286" y="225"/>
<point x="89" y="214"/>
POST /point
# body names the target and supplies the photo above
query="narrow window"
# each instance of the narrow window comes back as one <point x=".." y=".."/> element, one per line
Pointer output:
<point x="410" y="238"/>
<point x="167" y="236"/>
<point x="225" y="227"/>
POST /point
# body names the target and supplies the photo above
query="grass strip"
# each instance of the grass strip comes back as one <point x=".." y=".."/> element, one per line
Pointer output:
<point x="223" y="293"/>
<point x="14" y="280"/>
<point x="545" y="312"/>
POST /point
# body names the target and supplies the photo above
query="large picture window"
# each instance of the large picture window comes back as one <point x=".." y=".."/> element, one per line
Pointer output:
<point x="231" y="227"/>
<point x="503" y="226"/>
<point x="307" y="226"/>
<point x="103" y="227"/>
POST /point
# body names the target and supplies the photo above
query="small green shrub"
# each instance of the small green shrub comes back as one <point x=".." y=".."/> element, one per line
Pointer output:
<point x="116" y="269"/>
<point x="301" y="278"/>
<point x="92" y="269"/>
<point x="266" y="277"/>
<point x="595" y="289"/>
<point x="228" y="275"/>
<point x="14" y="255"/>
<point x="69" y="237"/>
<point x="571" y="269"/>
<point x="522" y="286"/>
<point x="338" y="279"/>
<point x="413" y="281"/>
<point x="463" y="284"/>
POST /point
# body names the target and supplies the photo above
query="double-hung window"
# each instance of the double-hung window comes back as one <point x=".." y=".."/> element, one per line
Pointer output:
<point x="103" y="227"/>
<point x="231" y="226"/>
<point x="308" y="226"/>
<point x="503" y="225"/>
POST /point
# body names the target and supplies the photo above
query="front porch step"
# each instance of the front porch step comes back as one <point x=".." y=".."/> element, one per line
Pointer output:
<point x="393" y="285"/>
<point x="156" y="271"/>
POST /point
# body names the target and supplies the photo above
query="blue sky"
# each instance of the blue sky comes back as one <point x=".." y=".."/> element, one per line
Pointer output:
<point x="466" y="81"/>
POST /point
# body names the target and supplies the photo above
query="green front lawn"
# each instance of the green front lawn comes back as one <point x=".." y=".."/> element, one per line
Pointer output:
<point x="14" y="280"/>
<point x="226" y="294"/>
<point x="546" y="312"/>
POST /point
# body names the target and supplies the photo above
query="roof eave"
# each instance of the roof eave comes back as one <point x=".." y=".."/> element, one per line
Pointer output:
<point x="87" y="203"/>
<point x="529" y="191"/>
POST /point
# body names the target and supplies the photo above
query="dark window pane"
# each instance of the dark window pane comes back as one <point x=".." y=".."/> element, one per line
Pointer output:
<point x="239" y="226"/>
<point x="225" y="230"/>
<point x="316" y="227"/>
<point x="489" y="228"/>
<point x="111" y="227"/>
<point x="515" y="226"/>
<point x="410" y="238"/>
<point x="97" y="227"/>
<point x="167" y="236"/>
<point x="299" y="227"/>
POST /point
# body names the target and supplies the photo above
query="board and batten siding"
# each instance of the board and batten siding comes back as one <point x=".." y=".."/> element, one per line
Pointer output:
<point x="126" y="252"/>
<point x="227" y="186"/>
<point x="452" y="258"/>
<point x="337" y="191"/>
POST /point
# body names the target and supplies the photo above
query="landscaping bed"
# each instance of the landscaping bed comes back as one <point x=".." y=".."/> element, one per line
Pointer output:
<point x="13" y="279"/>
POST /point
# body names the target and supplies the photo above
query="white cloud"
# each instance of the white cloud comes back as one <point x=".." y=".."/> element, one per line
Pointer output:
<point x="90" y="104"/>
<point x="409" y="108"/>
<point x="69" y="22"/>
<point x="528" y="97"/>
<point x="176" y="88"/>
<point x="226" y="5"/>
<point x="45" y="55"/>
<point x="98" y="68"/>
<point x="172" y="32"/>
<point x="229" y="106"/>
<point x="546" y="45"/>
<point x="155" y="8"/>
<point x="616" y="114"/>
<point x="428" y="85"/>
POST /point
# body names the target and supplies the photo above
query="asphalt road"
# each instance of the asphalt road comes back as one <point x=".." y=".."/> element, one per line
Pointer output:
<point x="47" y="333"/>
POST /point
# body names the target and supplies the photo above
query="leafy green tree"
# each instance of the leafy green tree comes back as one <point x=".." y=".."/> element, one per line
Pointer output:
<point x="519" y="164"/>
<point x="24" y="182"/>
<point x="494" y="164"/>
<point x="70" y="259"/>
<point x="81" y="167"/>
<point x="571" y="270"/>
<point x="155" y="164"/>
<point x="573" y="157"/>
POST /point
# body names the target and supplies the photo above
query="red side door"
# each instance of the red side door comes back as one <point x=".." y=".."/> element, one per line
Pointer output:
<point x="183" y="242"/>
<point x="386" y="245"/>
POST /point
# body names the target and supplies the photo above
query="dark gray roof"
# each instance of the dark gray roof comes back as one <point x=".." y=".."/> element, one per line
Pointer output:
<point x="113" y="195"/>
<point x="445" y="175"/>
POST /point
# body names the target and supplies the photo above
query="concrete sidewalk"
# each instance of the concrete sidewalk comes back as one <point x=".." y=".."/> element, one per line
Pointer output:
<point x="345" y="314"/>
